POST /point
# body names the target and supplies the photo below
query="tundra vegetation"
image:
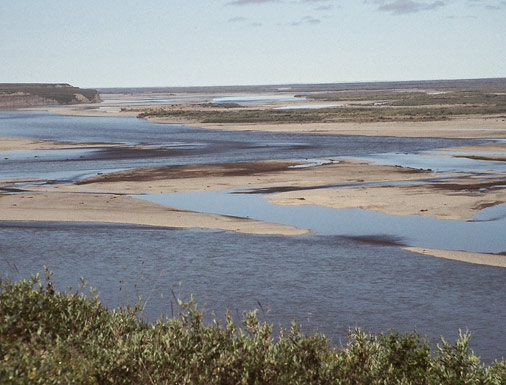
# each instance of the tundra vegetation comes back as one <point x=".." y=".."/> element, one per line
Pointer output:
<point x="360" y="102"/>
<point x="51" y="337"/>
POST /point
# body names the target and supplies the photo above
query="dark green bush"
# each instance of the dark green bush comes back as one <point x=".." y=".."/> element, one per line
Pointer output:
<point x="48" y="337"/>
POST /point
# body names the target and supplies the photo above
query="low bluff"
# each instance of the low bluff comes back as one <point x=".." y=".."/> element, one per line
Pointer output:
<point x="18" y="95"/>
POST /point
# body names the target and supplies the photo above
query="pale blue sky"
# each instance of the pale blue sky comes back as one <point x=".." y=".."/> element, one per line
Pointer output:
<point x="105" y="43"/>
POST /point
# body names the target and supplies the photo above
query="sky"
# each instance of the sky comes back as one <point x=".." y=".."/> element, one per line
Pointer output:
<point x="134" y="43"/>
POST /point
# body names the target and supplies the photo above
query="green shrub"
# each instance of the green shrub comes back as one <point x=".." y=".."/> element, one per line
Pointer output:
<point x="49" y="337"/>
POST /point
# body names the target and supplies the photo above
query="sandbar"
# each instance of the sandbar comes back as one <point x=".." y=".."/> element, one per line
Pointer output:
<point x="82" y="207"/>
<point x="342" y="184"/>
<point x="497" y="260"/>
<point x="274" y="173"/>
<point x="443" y="200"/>
<point x="465" y="128"/>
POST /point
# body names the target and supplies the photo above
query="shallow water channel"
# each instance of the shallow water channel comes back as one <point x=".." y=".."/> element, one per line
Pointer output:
<point x="349" y="272"/>
<point x="486" y="234"/>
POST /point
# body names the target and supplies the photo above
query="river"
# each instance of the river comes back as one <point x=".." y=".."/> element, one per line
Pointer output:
<point x="328" y="281"/>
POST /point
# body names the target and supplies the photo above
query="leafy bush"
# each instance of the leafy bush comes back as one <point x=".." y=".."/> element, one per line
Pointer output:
<point x="49" y="337"/>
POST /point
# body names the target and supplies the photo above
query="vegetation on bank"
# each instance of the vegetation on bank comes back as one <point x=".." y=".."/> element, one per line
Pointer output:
<point x="50" y="337"/>
<point x="362" y="114"/>
<point x="59" y="93"/>
<point x="371" y="102"/>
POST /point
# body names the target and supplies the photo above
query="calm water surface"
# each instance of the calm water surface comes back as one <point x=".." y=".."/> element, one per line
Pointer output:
<point x="327" y="283"/>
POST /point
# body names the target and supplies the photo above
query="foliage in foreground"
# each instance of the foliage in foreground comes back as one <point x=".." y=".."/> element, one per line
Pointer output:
<point x="49" y="337"/>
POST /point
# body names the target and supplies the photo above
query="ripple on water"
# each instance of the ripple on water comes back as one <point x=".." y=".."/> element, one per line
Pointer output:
<point x="327" y="283"/>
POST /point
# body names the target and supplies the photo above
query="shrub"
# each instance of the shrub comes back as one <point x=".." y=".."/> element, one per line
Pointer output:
<point x="49" y="337"/>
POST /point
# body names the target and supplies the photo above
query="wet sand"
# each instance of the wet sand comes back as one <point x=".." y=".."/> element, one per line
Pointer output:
<point x="91" y="110"/>
<point x="324" y="185"/>
<point x="100" y="198"/>
<point x="486" y="151"/>
<point x="496" y="147"/>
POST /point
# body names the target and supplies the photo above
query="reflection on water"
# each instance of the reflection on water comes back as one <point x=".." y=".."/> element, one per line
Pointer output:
<point x="414" y="230"/>
<point x="327" y="283"/>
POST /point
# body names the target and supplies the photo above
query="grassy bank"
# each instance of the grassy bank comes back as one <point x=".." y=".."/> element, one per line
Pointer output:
<point x="49" y="337"/>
